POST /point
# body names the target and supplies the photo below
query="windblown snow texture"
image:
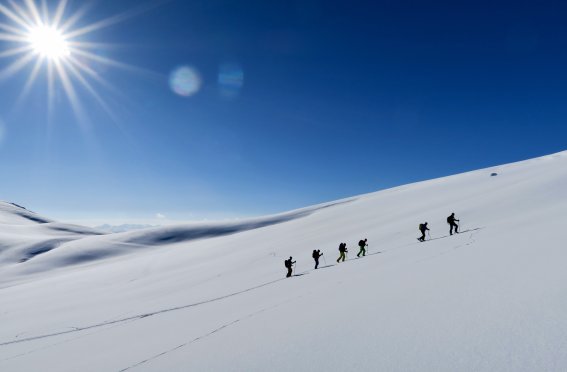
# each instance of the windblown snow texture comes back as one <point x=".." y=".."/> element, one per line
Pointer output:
<point x="213" y="297"/>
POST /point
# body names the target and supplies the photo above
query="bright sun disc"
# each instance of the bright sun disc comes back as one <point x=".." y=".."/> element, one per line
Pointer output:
<point x="49" y="42"/>
<point x="44" y="36"/>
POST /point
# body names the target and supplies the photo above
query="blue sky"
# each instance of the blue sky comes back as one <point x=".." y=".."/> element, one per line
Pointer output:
<point x="319" y="100"/>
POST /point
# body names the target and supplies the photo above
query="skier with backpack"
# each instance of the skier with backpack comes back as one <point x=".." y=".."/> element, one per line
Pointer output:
<point x="289" y="265"/>
<point x="423" y="228"/>
<point x="451" y="221"/>
<point x="342" y="250"/>
<point x="316" y="254"/>
<point x="362" y="244"/>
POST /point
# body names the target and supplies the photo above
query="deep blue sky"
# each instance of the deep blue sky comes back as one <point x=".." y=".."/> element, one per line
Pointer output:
<point x="338" y="98"/>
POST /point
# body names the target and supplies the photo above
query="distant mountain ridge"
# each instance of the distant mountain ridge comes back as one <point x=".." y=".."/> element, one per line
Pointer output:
<point x="113" y="229"/>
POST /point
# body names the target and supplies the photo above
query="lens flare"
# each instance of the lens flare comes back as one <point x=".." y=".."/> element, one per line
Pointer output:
<point x="185" y="81"/>
<point x="231" y="79"/>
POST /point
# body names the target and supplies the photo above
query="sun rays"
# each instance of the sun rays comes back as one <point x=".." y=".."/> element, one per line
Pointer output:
<point x="44" y="41"/>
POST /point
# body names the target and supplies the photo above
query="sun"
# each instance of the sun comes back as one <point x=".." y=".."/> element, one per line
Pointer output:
<point x="49" y="42"/>
<point x="46" y="39"/>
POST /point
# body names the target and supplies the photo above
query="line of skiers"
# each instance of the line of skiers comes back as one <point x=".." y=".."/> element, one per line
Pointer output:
<point x="363" y="243"/>
<point x="451" y="220"/>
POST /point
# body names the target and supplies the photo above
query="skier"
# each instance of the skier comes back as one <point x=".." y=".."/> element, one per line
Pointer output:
<point x="451" y="221"/>
<point x="423" y="228"/>
<point x="289" y="265"/>
<point x="316" y="254"/>
<point x="343" y="250"/>
<point x="362" y="244"/>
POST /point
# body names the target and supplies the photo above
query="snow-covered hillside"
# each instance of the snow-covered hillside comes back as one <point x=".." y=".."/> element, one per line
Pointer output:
<point x="214" y="297"/>
<point x="25" y="235"/>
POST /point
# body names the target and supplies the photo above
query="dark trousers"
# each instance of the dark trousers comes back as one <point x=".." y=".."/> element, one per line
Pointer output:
<point x="451" y="228"/>
<point x="362" y="252"/>
<point x="316" y="262"/>
<point x="289" y="271"/>
<point x="422" y="238"/>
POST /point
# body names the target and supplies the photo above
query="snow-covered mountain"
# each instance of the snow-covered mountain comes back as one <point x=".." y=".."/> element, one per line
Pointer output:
<point x="213" y="297"/>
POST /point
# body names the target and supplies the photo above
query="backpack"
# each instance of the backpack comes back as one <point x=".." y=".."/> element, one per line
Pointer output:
<point x="315" y="254"/>
<point x="361" y="243"/>
<point x="287" y="263"/>
<point x="421" y="227"/>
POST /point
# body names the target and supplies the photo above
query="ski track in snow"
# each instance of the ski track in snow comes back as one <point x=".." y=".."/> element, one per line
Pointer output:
<point x="448" y="236"/>
<point x="216" y="330"/>
<point x="470" y="242"/>
<point x="136" y="317"/>
<point x="49" y="346"/>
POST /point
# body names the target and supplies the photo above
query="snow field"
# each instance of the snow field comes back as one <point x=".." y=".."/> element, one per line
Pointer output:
<point x="491" y="298"/>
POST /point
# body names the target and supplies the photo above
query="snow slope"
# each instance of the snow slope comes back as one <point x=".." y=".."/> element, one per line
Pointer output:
<point x="213" y="297"/>
<point x="25" y="235"/>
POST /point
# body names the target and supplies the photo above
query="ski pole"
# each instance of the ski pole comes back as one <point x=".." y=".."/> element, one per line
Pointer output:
<point x="324" y="259"/>
<point x="428" y="234"/>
